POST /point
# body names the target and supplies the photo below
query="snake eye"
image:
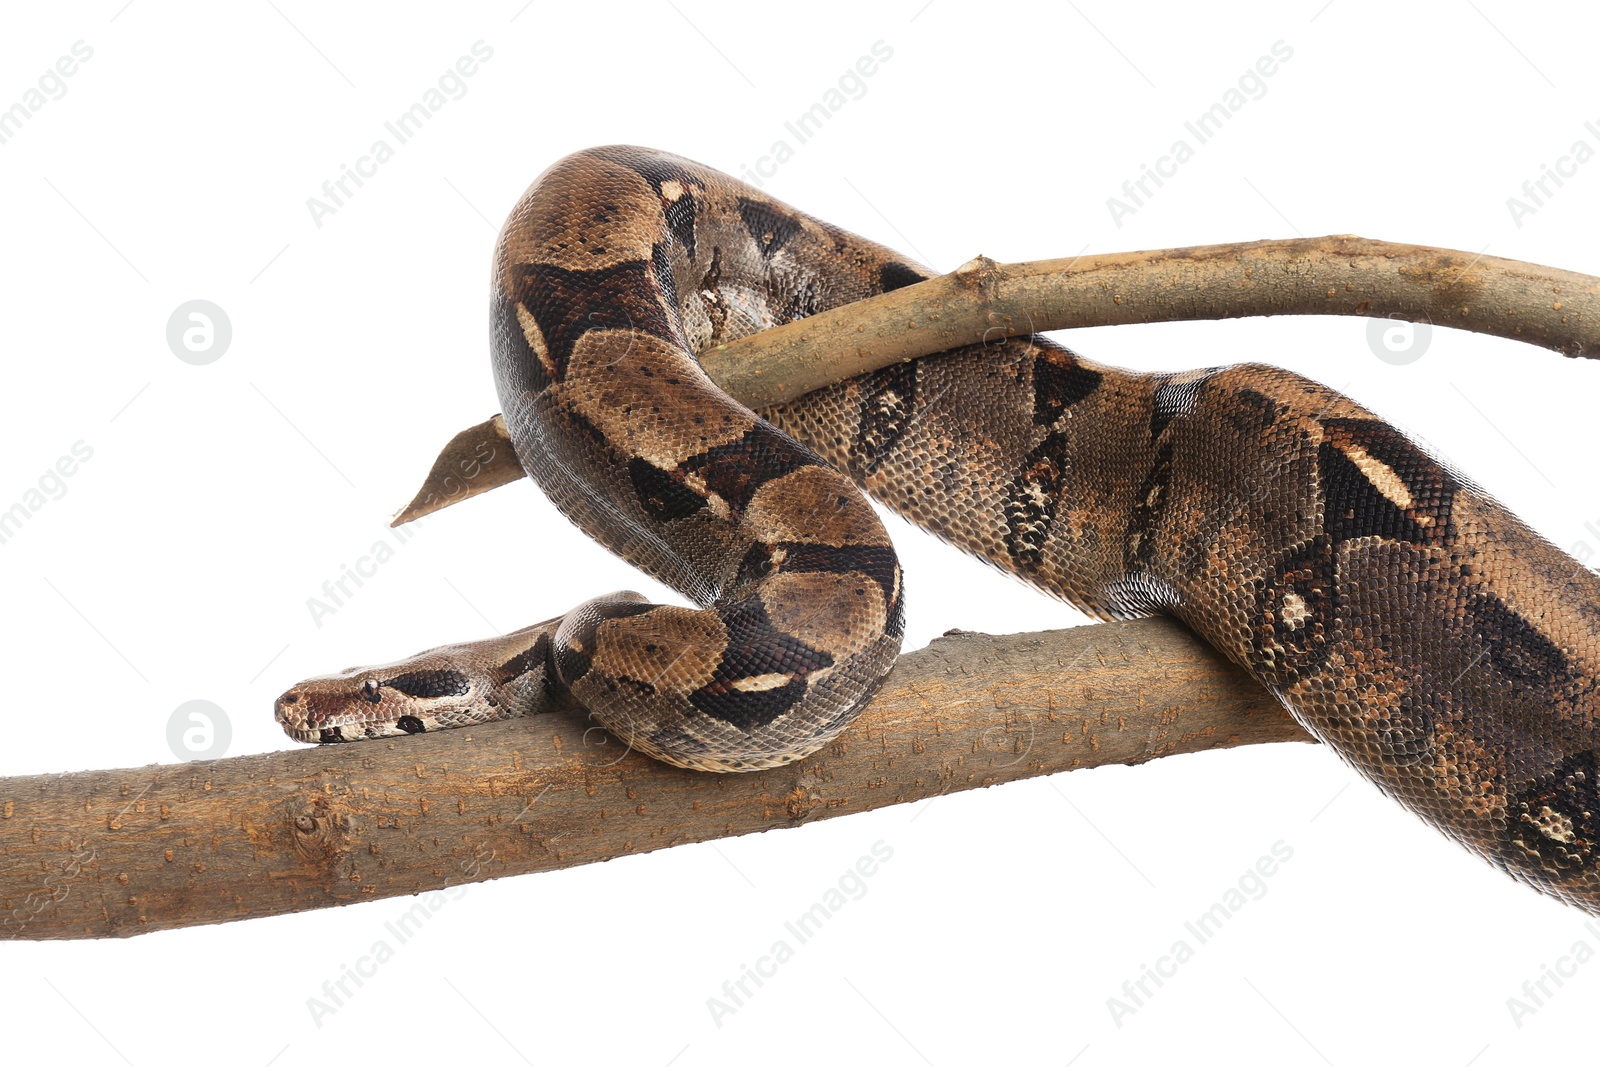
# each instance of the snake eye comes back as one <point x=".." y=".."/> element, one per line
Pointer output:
<point x="369" y="689"/>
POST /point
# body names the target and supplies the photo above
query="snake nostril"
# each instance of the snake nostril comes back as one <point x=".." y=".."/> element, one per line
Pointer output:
<point x="289" y="698"/>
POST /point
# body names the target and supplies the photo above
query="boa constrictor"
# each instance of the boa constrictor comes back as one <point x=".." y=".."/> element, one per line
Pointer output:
<point x="1408" y="620"/>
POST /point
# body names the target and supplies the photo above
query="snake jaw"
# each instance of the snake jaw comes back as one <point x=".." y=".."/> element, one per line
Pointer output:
<point x="453" y="685"/>
<point x="365" y="703"/>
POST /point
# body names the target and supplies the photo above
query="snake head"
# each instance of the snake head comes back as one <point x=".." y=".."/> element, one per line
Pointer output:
<point x="455" y="685"/>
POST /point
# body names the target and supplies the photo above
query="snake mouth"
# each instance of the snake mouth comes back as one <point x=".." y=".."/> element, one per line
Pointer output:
<point x="308" y="719"/>
<point x="313" y="717"/>
<point x="352" y="728"/>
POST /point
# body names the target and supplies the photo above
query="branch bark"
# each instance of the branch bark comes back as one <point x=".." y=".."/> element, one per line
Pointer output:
<point x="117" y="853"/>
<point x="1337" y="275"/>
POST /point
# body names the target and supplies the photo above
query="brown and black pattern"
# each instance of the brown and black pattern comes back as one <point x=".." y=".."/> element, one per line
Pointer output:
<point x="617" y="263"/>
<point x="1430" y="638"/>
<point x="1297" y="610"/>
<point x="1032" y="500"/>
<point x="1060" y="380"/>
<point x="891" y="402"/>
<point x="454" y="685"/>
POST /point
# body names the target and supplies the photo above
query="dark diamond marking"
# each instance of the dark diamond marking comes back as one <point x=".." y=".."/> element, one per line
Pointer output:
<point x="1405" y="734"/>
<point x="506" y="335"/>
<point x="1059" y="381"/>
<point x="1030" y="504"/>
<point x="802" y="303"/>
<point x="429" y="684"/>
<point x="756" y="648"/>
<point x="1297" y="611"/>
<point x="1520" y="652"/>
<point x="661" y="264"/>
<point x="736" y="470"/>
<point x="877" y="562"/>
<point x="1354" y="507"/>
<point x="756" y="565"/>
<point x="662" y="493"/>
<point x="574" y="654"/>
<point x="680" y="212"/>
<point x="1173" y="399"/>
<point x="529" y="659"/>
<point x="1149" y="506"/>
<point x="643" y="688"/>
<point x="711" y="296"/>
<point x="572" y="663"/>
<point x="770" y="228"/>
<point x="1555" y="819"/>
<point x="567" y="304"/>
<point x="1254" y="411"/>
<point x="889" y="399"/>
<point x="897" y="276"/>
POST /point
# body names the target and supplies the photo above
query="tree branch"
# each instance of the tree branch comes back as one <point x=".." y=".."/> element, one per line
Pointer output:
<point x="117" y="853"/>
<point x="1339" y="275"/>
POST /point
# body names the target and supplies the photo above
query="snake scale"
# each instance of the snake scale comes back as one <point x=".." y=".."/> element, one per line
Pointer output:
<point x="1412" y="623"/>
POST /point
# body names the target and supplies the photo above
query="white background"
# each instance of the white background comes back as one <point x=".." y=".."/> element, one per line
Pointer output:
<point x="219" y="498"/>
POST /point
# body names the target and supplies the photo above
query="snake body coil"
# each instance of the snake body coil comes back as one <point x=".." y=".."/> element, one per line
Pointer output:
<point x="1441" y="647"/>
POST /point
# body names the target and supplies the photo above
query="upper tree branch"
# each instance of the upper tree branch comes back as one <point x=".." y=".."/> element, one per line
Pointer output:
<point x="1341" y="275"/>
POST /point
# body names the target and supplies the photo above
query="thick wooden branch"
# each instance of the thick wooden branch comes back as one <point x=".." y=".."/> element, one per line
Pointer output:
<point x="116" y="853"/>
<point x="1339" y="275"/>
